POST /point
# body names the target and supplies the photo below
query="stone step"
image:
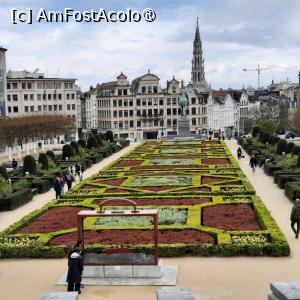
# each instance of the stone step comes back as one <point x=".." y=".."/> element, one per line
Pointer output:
<point x="61" y="296"/>
<point x="286" y="290"/>
<point x="175" y="294"/>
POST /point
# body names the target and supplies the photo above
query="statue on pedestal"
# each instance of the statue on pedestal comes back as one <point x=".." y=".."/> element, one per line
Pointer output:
<point x="183" y="100"/>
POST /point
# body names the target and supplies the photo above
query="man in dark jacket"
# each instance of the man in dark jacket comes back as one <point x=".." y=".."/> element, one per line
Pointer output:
<point x="57" y="186"/>
<point x="295" y="217"/>
<point x="75" y="268"/>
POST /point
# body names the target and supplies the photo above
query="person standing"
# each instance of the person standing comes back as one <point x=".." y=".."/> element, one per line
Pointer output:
<point x="253" y="163"/>
<point x="75" y="268"/>
<point x="295" y="217"/>
<point x="62" y="183"/>
<point x="14" y="164"/>
<point x="239" y="153"/>
<point x="57" y="186"/>
<point x="69" y="180"/>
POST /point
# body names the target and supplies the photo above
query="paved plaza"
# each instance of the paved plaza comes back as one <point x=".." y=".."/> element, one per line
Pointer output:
<point x="210" y="278"/>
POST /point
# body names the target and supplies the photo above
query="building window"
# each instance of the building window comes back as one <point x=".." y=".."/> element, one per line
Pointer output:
<point x="143" y="90"/>
<point x="26" y="109"/>
<point x="66" y="85"/>
<point x="44" y="107"/>
<point x="39" y="97"/>
<point x="8" y="97"/>
<point x="44" y="96"/>
<point x="115" y="114"/>
<point x="174" y="101"/>
<point x="125" y="92"/>
<point x="23" y="85"/>
<point x="25" y="97"/>
<point x="144" y="102"/>
<point x="115" y="124"/>
<point x="149" y="101"/>
<point x="15" y="85"/>
<point x="29" y="85"/>
<point x="161" y="101"/>
<point x="125" y="113"/>
<point x="49" y="97"/>
<point x="115" y="103"/>
<point x="59" y="96"/>
<point x="49" y="107"/>
<point x="194" y="121"/>
<point x="55" y="107"/>
<point x="130" y="102"/>
<point x="119" y="92"/>
<point x="31" y="97"/>
<point x="73" y="96"/>
<point x="168" y="101"/>
<point x="73" y="107"/>
<point x="193" y="100"/>
<point x="16" y="109"/>
<point x="131" y="124"/>
<point x="138" y="124"/>
<point x="68" y="96"/>
<point x="39" y="107"/>
<point x="149" y="89"/>
<point x="120" y="103"/>
<point x="194" y="111"/>
<point x="168" y="111"/>
<point x="15" y="97"/>
<point x="9" y="109"/>
<point x="31" y="108"/>
<point x="174" y="112"/>
<point x="54" y="96"/>
<point x="155" y="89"/>
<point x="131" y="113"/>
<point x="8" y="86"/>
<point x="120" y="113"/>
<point x="60" y="107"/>
<point x="120" y="124"/>
<point x="138" y="102"/>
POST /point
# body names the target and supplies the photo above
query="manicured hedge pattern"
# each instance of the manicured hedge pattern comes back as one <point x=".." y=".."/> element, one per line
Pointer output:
<point x="135" y="177"/>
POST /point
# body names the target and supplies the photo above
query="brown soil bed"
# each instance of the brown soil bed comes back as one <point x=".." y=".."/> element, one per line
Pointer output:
<point x="211" y="142"/>
<point x="215" y="161"/>
<point x="114" y="182"/>
<point x="129" y="236"/>
<point x="89" y="187"/>
<point x="128" y="163"/>
<point x="230" y="217"/>
<point x="166" y="167"/>
<point x="164" y="201"/>
<point x="206" y="180"/>
<point x="115" y="191"/>
<point x="54" y="219"/>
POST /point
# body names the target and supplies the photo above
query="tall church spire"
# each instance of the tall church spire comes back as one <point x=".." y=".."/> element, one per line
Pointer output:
<point x="198" y="74"/>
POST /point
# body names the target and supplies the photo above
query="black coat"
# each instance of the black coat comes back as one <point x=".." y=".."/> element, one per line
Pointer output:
<point x="295" y="213"/>
<point x="75" y="264"/>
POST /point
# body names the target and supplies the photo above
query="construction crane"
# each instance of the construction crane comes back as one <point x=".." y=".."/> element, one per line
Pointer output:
<point x="258" y="70"/>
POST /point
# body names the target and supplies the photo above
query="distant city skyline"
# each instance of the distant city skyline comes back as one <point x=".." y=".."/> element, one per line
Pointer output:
<point x="235" y="35"/>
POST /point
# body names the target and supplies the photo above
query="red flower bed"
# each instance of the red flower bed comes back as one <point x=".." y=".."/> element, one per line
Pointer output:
<point x="230" y="217"/>
<point x="211" y="142"/>
<point x="206" y="180"/>
<point x="114" y="182"/>
<point x="128" y="163"/>
<point x="153" y="174"/>
<point x="130" y="236"/>
<point x="89" y="187"/>
<point x="54" y="219"/>
<point x="216" y="161"/>
<point x="163" y="201"/>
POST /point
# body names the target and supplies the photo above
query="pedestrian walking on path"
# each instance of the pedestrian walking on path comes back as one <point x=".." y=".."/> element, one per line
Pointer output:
<point x="75" y="268"/>
<point x="57" y="186"/>
<point x="69" y="180"/>
<point x="239" y="152"/>
<point x="295" y="217"/>
<point x="14" y="164"/>
<point x="253" y="163"/>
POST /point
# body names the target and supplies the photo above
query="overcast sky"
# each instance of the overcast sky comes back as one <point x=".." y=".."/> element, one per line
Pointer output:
<point x="236" y="34"/>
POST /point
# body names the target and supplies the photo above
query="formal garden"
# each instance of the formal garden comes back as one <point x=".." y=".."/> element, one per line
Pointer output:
<point x="279" y="158"/>
<point x="37" y="175"/>
<point x="206" y="207"/>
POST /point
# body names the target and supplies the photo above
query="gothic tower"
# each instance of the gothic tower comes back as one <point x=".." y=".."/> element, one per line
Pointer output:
<point x="198" y="73"/>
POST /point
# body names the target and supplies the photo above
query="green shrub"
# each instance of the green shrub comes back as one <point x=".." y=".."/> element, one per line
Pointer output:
<point x="92" y="142"/>
<point x="15" y="199"/>
<point x="273" y="139"/>
<point x="298" y="161"/>
<point x="29" y="165"/>
<point x="67" y="151"/>
<point x="43" y="160"/>
<point x="296" y="150"/>
<point x="99" y="139"/>
<point x="292" y="190"/>
<point x="75" y="147"/>
<point x="281" y="147"/>
<point x="81" y="143"/>
<point x="255" y="131"/>
<point x="51" y="155"/>
<point x="290" y="147"/>
<point x="109" y="136"/>
<point x="20" y="184"/>
<point x="43" y="185"/>
<point x="3" y="172"/>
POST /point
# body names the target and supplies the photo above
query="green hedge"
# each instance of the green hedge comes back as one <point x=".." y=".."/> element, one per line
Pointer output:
<point x="292" y="190"/>
<point x="16" y="199"/>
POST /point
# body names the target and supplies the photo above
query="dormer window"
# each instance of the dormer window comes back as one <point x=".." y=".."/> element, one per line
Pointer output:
<point x="155" y="89"/>
<point x="143" y="89"/>
<point x="119" y="92"/>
